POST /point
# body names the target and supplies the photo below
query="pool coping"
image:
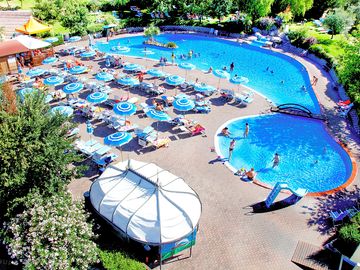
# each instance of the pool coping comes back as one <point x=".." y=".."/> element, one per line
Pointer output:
<point x="348" y="182"/>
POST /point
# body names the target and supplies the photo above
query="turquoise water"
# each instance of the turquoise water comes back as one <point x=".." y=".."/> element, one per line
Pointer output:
<point x="250" y="61"/>
<point x="309" y="157"/>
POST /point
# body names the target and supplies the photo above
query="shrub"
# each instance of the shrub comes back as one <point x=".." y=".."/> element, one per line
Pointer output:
<point x="60" y="41"/>
<point x="95" y="27"/>
<point x="266" y="23"/>
<point x="320" y="52"/>
<point x="297" y="37"/>
<point x="171" y="45"/>
<point x="309" y="41"/>
<point x="350" y="232"/>
<point x="51" y="233"/>
<point x="114" y="260"/>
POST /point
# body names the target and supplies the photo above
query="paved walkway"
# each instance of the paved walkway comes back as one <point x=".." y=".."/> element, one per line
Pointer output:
<point x="231" y="236"/>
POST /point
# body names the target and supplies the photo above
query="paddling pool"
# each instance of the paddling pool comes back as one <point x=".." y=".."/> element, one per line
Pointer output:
<point x="309" y="157"/>
<point x="276" y="76"/>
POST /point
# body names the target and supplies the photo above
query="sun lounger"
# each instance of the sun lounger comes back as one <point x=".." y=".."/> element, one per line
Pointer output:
<point x="127" y="128"/>
<point x="101" y="160"/>
<point x="102" y="151"/>
<point x="158" y="142"/>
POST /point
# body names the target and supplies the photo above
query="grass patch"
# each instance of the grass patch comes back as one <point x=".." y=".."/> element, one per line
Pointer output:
<point x="334" y="47"/>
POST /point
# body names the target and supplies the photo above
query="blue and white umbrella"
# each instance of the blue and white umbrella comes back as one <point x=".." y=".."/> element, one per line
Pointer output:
<point x="128" y="81"/>
<point x="174" y="80"/>
<point x="221" y="74"/>
<point x="51" y="39"/>
<point x="97" y="97"/>
<point x="183" y="104"/>
<point x="78" y="69"/>
<point x="155" y="72"/>
<point x="73" y="88"/>
<point x="120" y="49"/>
<point x="118" y="139"/>
<point x="202" y="87"/>
<point x="133" y="67"/>
<point x="54" y="80"/>
<point x="187" y="67"/>
<point x="158" y="115"/>
<point x="49" y="60"/>
<point x="64" y="110"/>
<point x="104" y="76"/>
<point x="239" y="80"/>
<point x="74" y="39"/>
<point x="88" y="54"/>
<point x="35" y="72"/>
<point x="22" y="93"/>
<point x="124" y="108"/>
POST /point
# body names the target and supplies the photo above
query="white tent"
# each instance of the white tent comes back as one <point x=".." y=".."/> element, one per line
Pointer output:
<point x="32" y="43"/>
<point x="147" y="203"/>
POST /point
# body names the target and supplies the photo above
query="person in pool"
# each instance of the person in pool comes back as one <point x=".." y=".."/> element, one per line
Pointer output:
<point x="210" y="70"/>
<point x="225" y="131"/>
<point x="231" y="147"/>
<point x="247" y="129"/>
<point x="276" y="160"/>
<point x="250" y="174"/>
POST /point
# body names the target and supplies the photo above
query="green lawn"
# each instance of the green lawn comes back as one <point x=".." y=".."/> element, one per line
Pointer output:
<point x="334" y="47"/>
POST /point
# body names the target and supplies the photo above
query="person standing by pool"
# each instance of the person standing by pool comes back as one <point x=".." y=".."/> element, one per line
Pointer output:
<point x="232" y="66"/>
<point x="276" y="160"/>
<point x="247" y="129"/>
<point x="231" y="147"/>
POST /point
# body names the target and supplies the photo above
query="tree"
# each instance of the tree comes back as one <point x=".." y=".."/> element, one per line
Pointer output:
<point x="34" y="153"/>
<point x="199" y="7"/>
<point x="48" y="10"/>
<point x="162" y="5"/>
<point x="118" y="3"/>
<point x="349" y="72"/>
<point x="255" y="8"/>
<point x="220" y="8"/>
<point x="339" y="21"/>
<point x="75" y="16"/>
<point x="51" y="233"/>
<point x="152" y="31"/>
<point x="298" y="7"/>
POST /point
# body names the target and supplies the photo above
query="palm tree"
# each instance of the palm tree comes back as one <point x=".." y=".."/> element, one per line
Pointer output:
<point x="152" y="31"/>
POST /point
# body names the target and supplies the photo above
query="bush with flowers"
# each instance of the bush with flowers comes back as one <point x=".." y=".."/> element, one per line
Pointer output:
<point x="51" y="233"/>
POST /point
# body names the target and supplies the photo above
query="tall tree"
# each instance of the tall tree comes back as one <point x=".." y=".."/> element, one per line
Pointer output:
<point x="199" y="7"/>
<point x="34" y="153"/>
<point x="220" y="8"/>
<point x="48" y="10"/>
<point x="75" y="16"/>
<point x="255" y="8"/>
<point x="339" y="21"/>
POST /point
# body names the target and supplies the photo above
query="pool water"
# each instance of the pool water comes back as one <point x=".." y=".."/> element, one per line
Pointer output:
<point x="309" y="157"/>
<point x="282" y="85"/>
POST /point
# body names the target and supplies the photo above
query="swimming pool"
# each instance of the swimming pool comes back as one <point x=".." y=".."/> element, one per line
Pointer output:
<point x="283" y="85"/>
<point x="309" y="157"/>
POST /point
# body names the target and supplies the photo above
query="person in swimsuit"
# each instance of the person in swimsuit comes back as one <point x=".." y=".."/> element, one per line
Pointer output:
<point x="231" y="147"/>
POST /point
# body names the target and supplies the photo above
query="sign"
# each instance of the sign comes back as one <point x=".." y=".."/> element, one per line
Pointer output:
<point x="170" y="249"/>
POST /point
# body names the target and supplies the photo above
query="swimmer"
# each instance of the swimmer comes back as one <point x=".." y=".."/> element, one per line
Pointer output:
<point x="267" y="69"/>
<point x="276" y="160"/>
<point x="271" y="71"/>
<point x="210" y="70"/>
<point x="282" y="82"/>
<point x="247" y="129"/>
<point x="316" y="162"/>
<point x="303" y="88"/>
